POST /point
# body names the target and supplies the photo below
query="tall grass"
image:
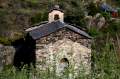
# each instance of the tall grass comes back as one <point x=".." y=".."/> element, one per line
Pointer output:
<point x="105" y="66"/>
<point x="106" y="62"/>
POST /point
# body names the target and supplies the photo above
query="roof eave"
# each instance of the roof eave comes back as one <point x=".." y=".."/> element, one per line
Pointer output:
<point x="79" y="31"/>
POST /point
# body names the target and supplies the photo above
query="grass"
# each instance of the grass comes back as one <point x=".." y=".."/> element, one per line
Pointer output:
<point x="33" y="1"/>
<point x="5" y="41"/>
<point x="106" y="62"/>
<point x="105" y="66"/>
<point x="3" y="12"/>
<point x="94" y="32"/>
<point x="11" y="38"/>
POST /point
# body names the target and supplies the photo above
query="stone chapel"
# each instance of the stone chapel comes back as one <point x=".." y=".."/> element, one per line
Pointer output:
<point x="59" y="43"/>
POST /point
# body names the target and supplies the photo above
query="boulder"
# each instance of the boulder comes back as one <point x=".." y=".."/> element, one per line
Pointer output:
<point x="6" y="55"/>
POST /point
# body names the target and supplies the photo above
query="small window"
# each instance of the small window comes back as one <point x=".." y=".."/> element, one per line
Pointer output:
<point x="56" y="17"/>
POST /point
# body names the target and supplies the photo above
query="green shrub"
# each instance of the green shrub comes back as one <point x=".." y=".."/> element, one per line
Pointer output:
<point x="92" y="9"/>
<point x="37" y="18"/>
<point x="94" y="32"/>
<point x="112" y="28"/>
<point x="32" y="1"/>
<point x="24" y="11"/>
<point x="5" y="41"/>
<point x="118" y="1"/>
<point x="3" y="12"/>
<point x="106" y="15"/>
<point x="8" y="40"/>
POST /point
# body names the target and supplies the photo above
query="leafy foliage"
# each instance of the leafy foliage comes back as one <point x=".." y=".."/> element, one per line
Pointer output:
<point x="94" y="32"/>
<point x="92" y="9"/>
<point x="5" y="41"/>
<point x="118" y="1"/>
<point x="113" y="28"/>
<point x="106" y="15"/>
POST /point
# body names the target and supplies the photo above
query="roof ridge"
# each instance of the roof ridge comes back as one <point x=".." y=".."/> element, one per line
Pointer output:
<point x="48" y="28"/>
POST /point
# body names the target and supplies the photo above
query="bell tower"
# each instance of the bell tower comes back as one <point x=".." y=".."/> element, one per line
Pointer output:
<point x="56" y="14"/>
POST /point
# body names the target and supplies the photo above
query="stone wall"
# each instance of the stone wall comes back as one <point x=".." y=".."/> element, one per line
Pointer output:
<point x="63" y="44"/>
<point x="64" y="33"/>
<point x="78" y="55"/>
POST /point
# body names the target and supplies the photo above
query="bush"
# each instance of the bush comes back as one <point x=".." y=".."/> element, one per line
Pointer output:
<point x="3" y="12"/>
<point x="92" y="9"/>
<point x="106" y="15"/>
<point x="5" y="41"/>
<point x="118" y="1"/>
<point x="33" y="1"/>
<point x="112" y="28"/>
<point x="39" y="17"/>
<point x="8" y="40"/>
<point x="94" y="32"/>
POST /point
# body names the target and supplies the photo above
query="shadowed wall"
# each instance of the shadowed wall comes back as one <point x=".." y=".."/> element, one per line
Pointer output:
<point x="25" y="55"/>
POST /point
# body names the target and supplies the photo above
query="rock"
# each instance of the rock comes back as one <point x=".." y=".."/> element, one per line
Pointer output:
<point x="97" y="21"/>
<point x="89" y="20"/>
<point x="6" y="55"/>
<point x="101" y="22"/>
<point x="1" y="46"/>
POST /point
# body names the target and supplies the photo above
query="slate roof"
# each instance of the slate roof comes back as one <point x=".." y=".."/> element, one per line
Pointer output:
<point x="48" y="28"/>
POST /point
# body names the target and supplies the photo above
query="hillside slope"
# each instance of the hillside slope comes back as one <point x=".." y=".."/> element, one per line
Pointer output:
<point x="17" y="15"/>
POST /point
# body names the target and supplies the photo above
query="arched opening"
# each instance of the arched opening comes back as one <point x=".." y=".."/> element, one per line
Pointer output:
<point x="56" y="17"/>
<point x="63" y="64"/>
<point x="64" y="60"/>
